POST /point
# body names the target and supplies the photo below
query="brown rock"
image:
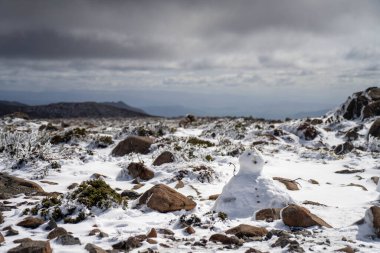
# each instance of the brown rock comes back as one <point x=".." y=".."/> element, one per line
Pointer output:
<point x="165" y="231"/>
<point x="132" y="242"/>
<point x="179" y="184"/>
<point x="312" y="181"/>
<point x="346" y="249"/>
<point x="374" y="214"/>
<point x="298" y="216"/>
<point x="139" y="170"/>
<point x="1" y="238"/>
<point x="152" y="233"/>
<point x="151" y="241"/>
<point x="1" y="218"/>
<point x="11" y="186"/>
<point x="31" y="222"/>
<point x="165" y="199"/>
<point x="94" y="231"/>
<point x="358" y="185"/>
<point x="91" y="248"/>
<point x="225" y="239"/>
<point x="244" y="230"/>
<point x="133" y="144"/>
<point x="268" y="214"/>
<point x="374" y="130"/>
<point x="164" y="157"/>
<point x="375" y="179"/>
<point x="290" y="184"/>
<point x="22" y="240"/>
<point x="213" y="197"/>
<point x="58" y="231"/>
<point x="190" y="230"/>
<point x="252" y="250"/>
<point x="32" y="247"/>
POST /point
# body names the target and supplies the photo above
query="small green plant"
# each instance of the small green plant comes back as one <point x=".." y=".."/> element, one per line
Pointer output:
<point x="223" y="216"/>
<point x="209" y="158"/>
<point x="198" y="142"/>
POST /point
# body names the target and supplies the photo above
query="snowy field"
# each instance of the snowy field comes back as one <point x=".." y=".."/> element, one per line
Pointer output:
<point x="287" y="151"/>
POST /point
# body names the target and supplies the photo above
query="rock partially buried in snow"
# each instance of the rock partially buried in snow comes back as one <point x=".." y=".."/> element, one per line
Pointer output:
<point x="10" y="186"/>
<point x="268" y="214"/>
<point x="224" y="239"/>
<point x="136" y="170"/>
<point x="244" y="230"/>
<point x="374" y="130"/>
<point x="133" y="144"/>
<point x="32" y="247"/>
<point x="165" y="199"/>
<point x="298" y="216"/>
<point x="250" y="191"/>
<point x="291" y="185"/>
<point x="372" y="217"/>
<point x="31" y="222"/>
<point x="164" y="157"/>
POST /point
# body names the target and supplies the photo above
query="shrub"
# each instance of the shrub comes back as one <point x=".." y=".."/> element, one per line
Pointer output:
<point x="198" y="142"/>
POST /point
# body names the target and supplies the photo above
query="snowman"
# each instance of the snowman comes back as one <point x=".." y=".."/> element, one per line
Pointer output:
<point x="250" y="191"/>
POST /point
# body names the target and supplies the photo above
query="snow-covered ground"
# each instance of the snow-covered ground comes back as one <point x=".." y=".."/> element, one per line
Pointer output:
<point x="287" y="154"/>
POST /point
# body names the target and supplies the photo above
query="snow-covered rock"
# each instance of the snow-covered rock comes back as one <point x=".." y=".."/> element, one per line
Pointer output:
<point x="249" y="190"/>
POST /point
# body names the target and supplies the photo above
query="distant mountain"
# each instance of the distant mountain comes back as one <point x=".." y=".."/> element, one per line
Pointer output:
<point x="172" y="111"/>
<point x="123" y="105"/>
<point x="318" y="113"/>
<point x="71" y="110"/>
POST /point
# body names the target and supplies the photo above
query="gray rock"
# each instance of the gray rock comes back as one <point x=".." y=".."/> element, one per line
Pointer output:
<point x="29" y="246"/>
<point x="67" y="240"/>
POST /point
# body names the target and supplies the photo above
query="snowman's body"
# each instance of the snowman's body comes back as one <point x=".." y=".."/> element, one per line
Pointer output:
<point x="250" y="191"/>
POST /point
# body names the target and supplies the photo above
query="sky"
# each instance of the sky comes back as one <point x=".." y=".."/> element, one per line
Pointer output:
<point x="261" y="58"/>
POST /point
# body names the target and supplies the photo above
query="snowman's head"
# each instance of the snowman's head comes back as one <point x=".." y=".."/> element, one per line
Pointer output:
<point x="251" y="161"/>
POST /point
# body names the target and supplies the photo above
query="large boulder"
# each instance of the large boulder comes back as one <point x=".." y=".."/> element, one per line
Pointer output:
<point x="30" y="246"/>
<point x="244" y="230"/>
<point x="298" y="216"/>
<point x="133" y="144"/>
<point x="164" y="157"/>
<point x="372" y="217"/>
<point x="31" y="222"/>
<point x="361" y="105"/>
<point x="165" y="199"/>
<point x="11" y="186"/>
<point x="374" y="130"/>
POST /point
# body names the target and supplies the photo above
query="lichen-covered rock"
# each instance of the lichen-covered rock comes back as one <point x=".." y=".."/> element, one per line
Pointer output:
<point x="133" y="144"/>
<point x="165" y="199"/>
<point x="298" y="216"/>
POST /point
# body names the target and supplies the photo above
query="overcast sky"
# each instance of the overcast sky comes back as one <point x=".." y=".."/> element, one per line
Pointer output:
<point x="241" y="57"/>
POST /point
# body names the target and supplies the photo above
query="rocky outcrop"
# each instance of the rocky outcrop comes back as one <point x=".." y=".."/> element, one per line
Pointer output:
<point x="361" y="105"/>
<point x="165" y="199"/>
<point x="298" y="216"/>
<point x="374" y="130"/>
<point x="133" y="144"/>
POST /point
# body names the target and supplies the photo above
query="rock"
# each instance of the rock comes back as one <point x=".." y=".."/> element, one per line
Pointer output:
<point x="358" y="185"/>
<point x="133" y="144"/>
<point x="268" y="214"/>
<point x="213" y="197"/>
<point x="346" y="171"/>
<point x="1" y="238"/>
<point x="252" y="250"/>
<point x="165" y="199"/>
<point x="140" y="170"/>
<point x="374" y="130"/>
<point x="346" y="249"/>
<point x="152" y="233"/>
<point x="165" y="231"/>
<point x="91" y="248"/>
<point x="372" y="217"/>
<point x="11" y="231"/>
<point x="67" y="239"/>
<point x="190" y="230"/>
<point x="51" y="225"/>
<point x="22" y="240"/>
<point x="312" y="181"/>
<point x="313" y="203"/>
<point x="11" y="186"/>
<point x="31" y="222"/>
<point x="164" y="157"/>
<point x="32" y="247"/>
<point x="375" y="179"/>
<point x="72" y="186"/>
<point x="225" y="239"/>
<point x="343" y="148"/>
<point x="352" y="134"/>
<point x="132" y="242"/>
<point x="130" y="194"/>
<point x="244" y="230"/>
<point x="94" y="231"/>
<point x="298" y="216"/>
<point x="151" y="241"/>
<point x="58" y="231"/>
<point x="1" y="218"/>
<point x="308" y="131"/>
<point x="316" y="122"/>
<point x="179" y="184"/>
<point x="103" y="234"/>
<point x="290" y="184"/>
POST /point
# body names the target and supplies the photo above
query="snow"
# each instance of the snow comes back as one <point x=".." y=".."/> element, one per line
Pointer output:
<point x="285" y="156"/>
